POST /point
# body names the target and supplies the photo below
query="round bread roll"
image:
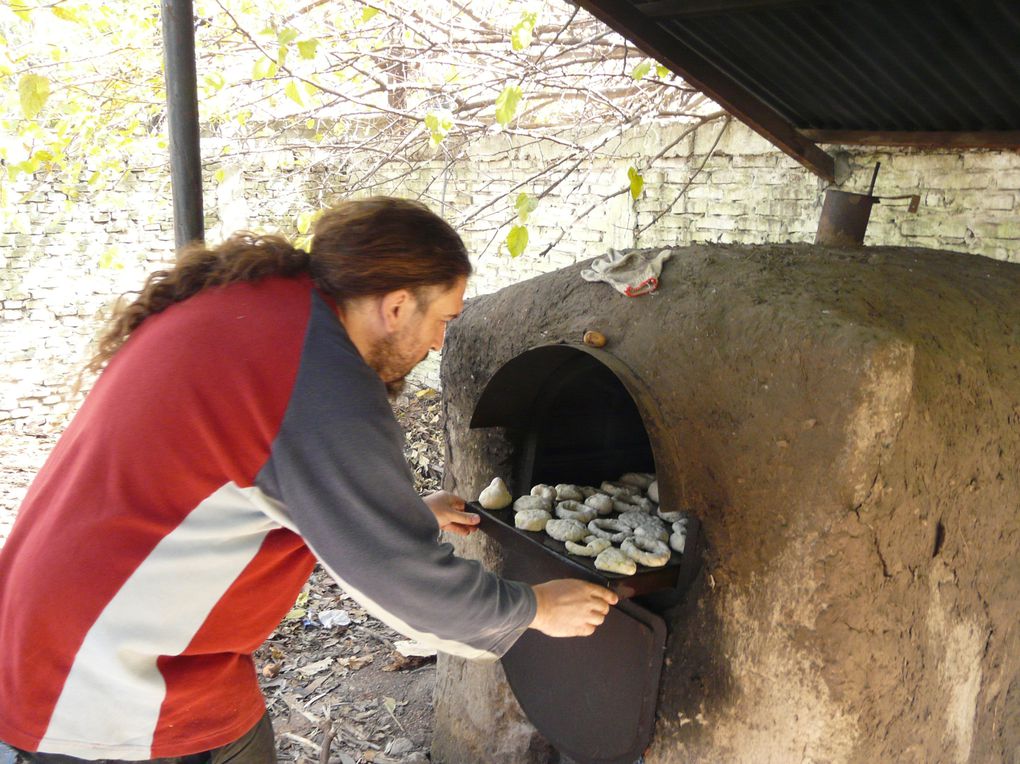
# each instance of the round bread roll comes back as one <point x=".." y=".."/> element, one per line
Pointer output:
<point x="634" y="518"/>
<point x="568" y="492"/>
<point x="575" y="510"/>
<point x="532" y="502"/>
<point x="545" y="491"/>
<point x="612" y="560"/>
<point x="646" y="550"/>
<point x="592" y="546"/>
<point x="496" y="495"/>
<point x="566" y="530"/>
<point x="618" y="490"/>
<point x="639" y="480"/>
<point x="652" y="532"/>
<point x="678" y="541"/>
<point x="532" y="519"/>
<point x="601" y="503"/>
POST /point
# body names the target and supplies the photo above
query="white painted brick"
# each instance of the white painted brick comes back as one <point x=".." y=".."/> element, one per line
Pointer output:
<point x="1009" y="179"/>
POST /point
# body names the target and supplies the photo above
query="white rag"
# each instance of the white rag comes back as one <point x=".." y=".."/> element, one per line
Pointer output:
<point x="632" y="272"/>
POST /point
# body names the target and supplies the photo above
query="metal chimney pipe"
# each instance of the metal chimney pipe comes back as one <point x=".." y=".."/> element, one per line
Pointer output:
<point x="182" y="120"/>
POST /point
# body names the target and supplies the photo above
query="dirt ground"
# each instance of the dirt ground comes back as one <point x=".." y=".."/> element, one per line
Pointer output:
<point x="343" y="688"/>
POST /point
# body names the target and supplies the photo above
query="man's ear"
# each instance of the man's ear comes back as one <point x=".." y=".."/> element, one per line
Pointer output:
<point x="394" y="307"/>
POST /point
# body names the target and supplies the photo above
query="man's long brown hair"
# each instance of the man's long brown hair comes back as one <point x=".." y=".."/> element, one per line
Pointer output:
<point x="359" y="248"/>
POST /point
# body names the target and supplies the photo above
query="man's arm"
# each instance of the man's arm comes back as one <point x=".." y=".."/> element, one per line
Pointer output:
<point x="337" y="464"/>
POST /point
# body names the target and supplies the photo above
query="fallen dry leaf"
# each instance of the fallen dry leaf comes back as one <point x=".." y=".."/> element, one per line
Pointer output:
<point x="355" y="662"/>
<point x="314" y="668"/>
<point x="400" y="662"/>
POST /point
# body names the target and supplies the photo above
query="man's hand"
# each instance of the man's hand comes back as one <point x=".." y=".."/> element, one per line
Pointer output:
<point x="571" y="608"/>
<point x="450" y="514"/>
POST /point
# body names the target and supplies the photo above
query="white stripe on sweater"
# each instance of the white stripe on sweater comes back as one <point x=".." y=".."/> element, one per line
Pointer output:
<point x="110" y="703"/>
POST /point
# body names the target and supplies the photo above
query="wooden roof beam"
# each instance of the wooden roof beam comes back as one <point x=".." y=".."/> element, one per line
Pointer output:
<point x="932" y="139"/>
<point x="706" y="77"/>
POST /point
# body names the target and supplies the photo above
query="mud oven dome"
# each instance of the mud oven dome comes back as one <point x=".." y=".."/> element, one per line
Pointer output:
<point x="843" y="423"/>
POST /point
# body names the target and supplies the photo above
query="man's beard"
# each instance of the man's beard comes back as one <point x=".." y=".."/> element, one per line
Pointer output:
<point x="392" y="363"/>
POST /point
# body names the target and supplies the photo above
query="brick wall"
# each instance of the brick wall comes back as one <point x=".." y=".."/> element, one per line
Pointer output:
<point x="63" y="262"/>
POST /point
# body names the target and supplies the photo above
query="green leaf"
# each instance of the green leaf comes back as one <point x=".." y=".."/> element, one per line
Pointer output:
<point x="661" y="71"/>
<point x="33" y="89"/>
<point x="368" y="14"/>
<point x="67" y="14"/>
<point x="291" y="91"/>
<point x="390" y="703"/>
<point x="110" y="260"/>
<point x="306" y="219"/>
<point x="295" y="614"/>
<point x="507" y="103"/>
<point x="637" y="183"/>
<point x="523" y="30"/>
<point x="439" y="124"/>
<point x="307" y="48"/>
<point x="641" y="70"/>
<point x="287" y="36"/>
<point x="214" y="81"/>
<point x="525" y="205"/>
<point x="517" y="240"/>
<point x="219" y="175"/>
<point x="264" y="69"/>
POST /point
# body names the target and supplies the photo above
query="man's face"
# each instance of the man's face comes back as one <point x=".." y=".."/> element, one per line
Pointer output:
<point x="418" y="330"/>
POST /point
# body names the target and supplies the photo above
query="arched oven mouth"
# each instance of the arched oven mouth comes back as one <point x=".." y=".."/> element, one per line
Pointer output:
<point x="578" y="415"/>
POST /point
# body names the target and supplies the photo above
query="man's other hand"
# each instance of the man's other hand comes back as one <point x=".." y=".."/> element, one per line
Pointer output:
<point x="450" y="514"/>
<point x="571" y="608"/>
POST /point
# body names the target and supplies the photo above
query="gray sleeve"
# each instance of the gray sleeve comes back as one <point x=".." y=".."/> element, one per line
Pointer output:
<point x="338" y="466"/>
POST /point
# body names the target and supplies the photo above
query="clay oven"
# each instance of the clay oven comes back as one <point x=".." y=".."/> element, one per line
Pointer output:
<point x="845" y="425"/>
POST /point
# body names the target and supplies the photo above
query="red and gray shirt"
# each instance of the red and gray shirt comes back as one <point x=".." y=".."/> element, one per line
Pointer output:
<point x="235" y="438"/>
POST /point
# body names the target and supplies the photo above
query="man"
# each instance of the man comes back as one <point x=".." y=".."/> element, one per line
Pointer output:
<point x="241" y="430"/>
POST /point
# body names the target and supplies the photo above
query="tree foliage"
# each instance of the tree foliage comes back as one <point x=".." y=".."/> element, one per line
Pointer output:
<point x="370" y="89"/>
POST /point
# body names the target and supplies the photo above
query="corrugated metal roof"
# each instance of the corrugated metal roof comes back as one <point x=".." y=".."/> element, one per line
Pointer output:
<point x="934" y="72"/>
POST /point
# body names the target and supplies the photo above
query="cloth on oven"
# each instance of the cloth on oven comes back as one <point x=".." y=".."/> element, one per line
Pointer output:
<point x="631" y="272"/>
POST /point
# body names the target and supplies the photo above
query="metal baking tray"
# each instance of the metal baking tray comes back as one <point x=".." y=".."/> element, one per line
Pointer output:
<point x="499" y="524"/>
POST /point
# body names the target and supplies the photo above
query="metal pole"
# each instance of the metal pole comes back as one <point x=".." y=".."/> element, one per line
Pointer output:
<point x="182" y="120"/>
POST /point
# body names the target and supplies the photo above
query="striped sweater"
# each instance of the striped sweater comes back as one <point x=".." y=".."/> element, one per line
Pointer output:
<point x="234" y="439"/>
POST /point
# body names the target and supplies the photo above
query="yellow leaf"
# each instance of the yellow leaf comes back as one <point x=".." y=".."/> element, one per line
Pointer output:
<point x="637" y="182"/>
<point x="641" y="70"/>
<point x="67" y="14"/>
<point x="33" y="90"/>
<point x="517" y="240"/>
<point x="291" y="91"/>
<point x="506" y="104"/>
<point x="307" y="48"/>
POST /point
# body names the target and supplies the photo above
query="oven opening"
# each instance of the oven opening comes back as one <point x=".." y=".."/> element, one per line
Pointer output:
<point x="578" y="416"/>
<point x="583" y="428"/>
